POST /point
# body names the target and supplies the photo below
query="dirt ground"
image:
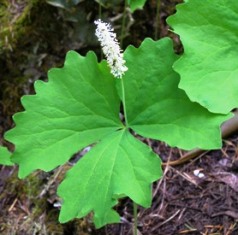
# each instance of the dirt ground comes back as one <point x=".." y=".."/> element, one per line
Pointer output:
<point x="195" y="197"/>
<point x="198" y="196"/>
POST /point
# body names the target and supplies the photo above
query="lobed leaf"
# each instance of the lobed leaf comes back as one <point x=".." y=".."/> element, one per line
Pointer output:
<point x="5" y="157"/>
<point x="79" y="106"/>
<point x="209" y="65"/>
<point x="136" y="4"/>
<point x="157" y="108"/>
<point x="75" y="108"/>
<point x="118" y="166"/>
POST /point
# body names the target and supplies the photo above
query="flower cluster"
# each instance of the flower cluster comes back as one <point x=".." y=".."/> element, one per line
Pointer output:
<point x="111" y="48"/>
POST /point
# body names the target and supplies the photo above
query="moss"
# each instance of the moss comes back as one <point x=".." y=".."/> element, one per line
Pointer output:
<point x="27" y="31"/>
<point x="15" y="20"/>
<point x="24" y="209"/>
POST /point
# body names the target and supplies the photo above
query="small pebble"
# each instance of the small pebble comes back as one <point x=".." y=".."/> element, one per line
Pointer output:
<point x="198" y="173"/>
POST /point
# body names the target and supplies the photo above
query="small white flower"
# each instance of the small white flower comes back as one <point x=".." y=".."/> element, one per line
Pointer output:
<point x="111" y="48"/>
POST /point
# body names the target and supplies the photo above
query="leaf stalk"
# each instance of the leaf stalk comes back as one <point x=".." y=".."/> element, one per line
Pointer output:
<point x="124" y="101"/>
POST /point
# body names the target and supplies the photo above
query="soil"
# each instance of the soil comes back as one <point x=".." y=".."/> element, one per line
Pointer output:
<point x="197" y="197"/>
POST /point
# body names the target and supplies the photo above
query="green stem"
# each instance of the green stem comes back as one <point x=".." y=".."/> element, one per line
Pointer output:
<point x="100" y="10"/>
<point x="123" y="24"/>
<point x="124" y="101"/>
<point x="135" y="218"/>
<point x="100" y="17"/>
<point x="157" y="19"/>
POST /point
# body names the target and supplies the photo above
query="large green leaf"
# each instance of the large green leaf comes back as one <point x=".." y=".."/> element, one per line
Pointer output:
<point x="118" y="166"/>
<point x="209" y="65"/>
<point x="76" y="107"/>
<point x="156" y="108"/>
<point x="79" y="106"/>
<point x="5" y="156"/>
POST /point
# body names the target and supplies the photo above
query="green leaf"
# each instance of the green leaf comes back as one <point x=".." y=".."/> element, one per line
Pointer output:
<point x="118" y="166"/>
<point x="209" y="65"/>
<point x="136" y="4"/>
<point x="156" y="108"/>
<point x="58" y="3"/>
<point x="5" y="156"/>
<point x="75" y="108"/>
<point x="65" y="4"/>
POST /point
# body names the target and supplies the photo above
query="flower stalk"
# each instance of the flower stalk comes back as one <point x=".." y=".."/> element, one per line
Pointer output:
<point x="113" y="53"/>
<point x="111" y="48"/>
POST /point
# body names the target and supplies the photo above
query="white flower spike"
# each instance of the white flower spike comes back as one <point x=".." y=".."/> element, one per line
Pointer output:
<point x="111" y="48"/>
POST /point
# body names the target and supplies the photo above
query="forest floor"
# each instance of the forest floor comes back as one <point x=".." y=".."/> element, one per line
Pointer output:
<point x="195" y="197"/>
